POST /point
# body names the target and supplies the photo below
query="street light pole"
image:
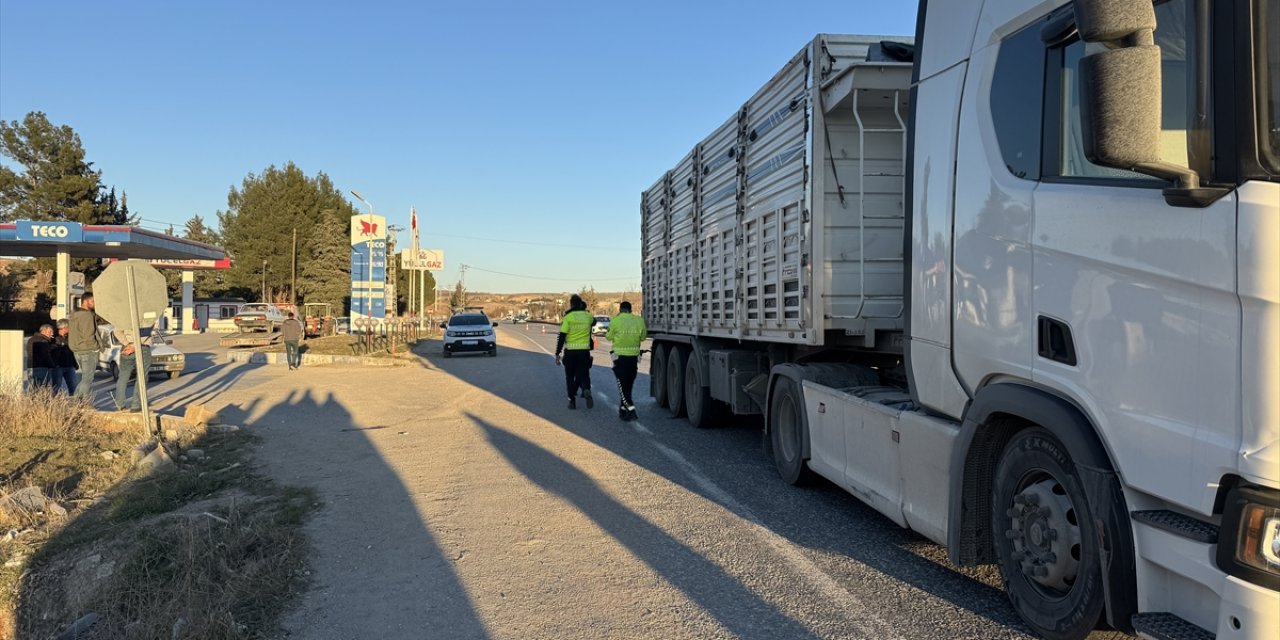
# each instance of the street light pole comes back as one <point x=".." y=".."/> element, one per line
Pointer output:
<point x="368" y="289"/>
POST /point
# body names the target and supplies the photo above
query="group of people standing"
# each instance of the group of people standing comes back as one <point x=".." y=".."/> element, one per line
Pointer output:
<point x="63" y="356"/>
<point x="626" y="332"/>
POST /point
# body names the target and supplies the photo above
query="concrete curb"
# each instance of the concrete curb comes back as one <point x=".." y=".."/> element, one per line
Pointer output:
<point x="259" y="357"/>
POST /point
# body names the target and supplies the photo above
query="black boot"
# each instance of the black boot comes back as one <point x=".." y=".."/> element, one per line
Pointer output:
<point x="572" y="403"/>
<point x="586" y="393"/>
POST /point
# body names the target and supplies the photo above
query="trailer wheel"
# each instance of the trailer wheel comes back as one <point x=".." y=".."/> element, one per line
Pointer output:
<point x="697" y="397"/>
<point x="1045" y="536"/>
<point x="789" y="432"/>
<point x="676" y="357"/>
<point x="658" y="375"/>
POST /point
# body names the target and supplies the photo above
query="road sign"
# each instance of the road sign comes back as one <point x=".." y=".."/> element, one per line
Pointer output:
<point x="111" y="293"/>
<point x="426" y="260"/>
<point x="132" y="295"/>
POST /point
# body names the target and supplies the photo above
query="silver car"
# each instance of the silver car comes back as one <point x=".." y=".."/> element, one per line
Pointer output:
<point x="165" y="359"/>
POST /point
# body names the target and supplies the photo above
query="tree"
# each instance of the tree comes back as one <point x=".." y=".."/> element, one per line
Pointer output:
<point x="56" y="182"/>
<point x="258" y="226"/>
<point x="459" y="298"/>
<point x="589" y="296"/>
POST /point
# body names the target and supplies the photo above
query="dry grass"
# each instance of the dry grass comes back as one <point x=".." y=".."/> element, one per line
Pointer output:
<point x="43" y="413"/>
<point x="209" y="550"/>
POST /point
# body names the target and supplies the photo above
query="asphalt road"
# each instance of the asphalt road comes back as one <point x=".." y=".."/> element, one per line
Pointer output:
<point x="463" y="500"/>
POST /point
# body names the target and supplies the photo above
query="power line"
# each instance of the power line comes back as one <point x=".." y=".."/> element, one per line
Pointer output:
<point x="520" y="275"/>
<point x="539" y="244"/>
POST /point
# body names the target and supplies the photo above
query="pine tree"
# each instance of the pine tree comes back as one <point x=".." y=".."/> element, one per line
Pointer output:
<point x="56" y="182"/>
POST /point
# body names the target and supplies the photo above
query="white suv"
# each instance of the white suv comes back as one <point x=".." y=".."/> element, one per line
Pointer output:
<point x="469" y="331"/>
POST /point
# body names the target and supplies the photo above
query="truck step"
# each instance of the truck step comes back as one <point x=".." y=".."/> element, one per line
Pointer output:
<point x="1179" y="525"/>
<point x="1167" y="626"/>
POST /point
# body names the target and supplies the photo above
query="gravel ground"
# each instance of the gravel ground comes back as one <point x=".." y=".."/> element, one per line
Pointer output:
<point x="463" y="500"/>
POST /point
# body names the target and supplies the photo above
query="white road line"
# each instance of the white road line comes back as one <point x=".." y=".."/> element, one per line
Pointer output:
<point x="825" y="584"/>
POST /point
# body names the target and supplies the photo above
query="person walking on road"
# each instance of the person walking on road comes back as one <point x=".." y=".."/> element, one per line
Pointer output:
<point x="626" y="332"/>
<point x="292" y="333"/>
<point x="128" y="367"/>
<point x="85" y="343"/>
<point x="575" y="341"/>
<point x="65" y="373"/>
<point x="40" y="357"/>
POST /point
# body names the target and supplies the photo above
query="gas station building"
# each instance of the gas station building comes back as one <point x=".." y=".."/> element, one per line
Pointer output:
<point x="67" y="240"/>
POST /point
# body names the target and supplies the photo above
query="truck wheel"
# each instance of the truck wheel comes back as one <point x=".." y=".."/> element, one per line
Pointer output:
<point x="1045" y="536"/>
<point x="789" y="432"/>
<point x="676" y="357"/>
<point x="697" y="398"/>
<point x="658" y="375"/>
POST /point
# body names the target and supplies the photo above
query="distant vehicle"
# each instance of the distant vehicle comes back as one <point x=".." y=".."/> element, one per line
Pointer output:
<point x="469" y="331"/>
<point x="601" y="326"/>
<point x="519" y="320"/>
<point x="165" y="359"/>
<point x="259" y="316"/>
<point x="342" y="325"/>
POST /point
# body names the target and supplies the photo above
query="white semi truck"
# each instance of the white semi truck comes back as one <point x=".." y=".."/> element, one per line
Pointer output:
<point x="1017" y="289"/>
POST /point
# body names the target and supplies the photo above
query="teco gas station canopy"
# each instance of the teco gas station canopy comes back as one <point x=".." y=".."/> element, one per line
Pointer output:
<point x="40" y="239"/>
<point x="66" y="240"/>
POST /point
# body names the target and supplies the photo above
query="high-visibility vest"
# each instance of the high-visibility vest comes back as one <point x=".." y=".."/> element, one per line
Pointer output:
<point x="577" y="329"/>
<point x="626" y="332"/>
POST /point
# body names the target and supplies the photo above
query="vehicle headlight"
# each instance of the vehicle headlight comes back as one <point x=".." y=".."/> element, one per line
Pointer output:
<point x="451" y="334"/>
<point x="1249" y="547"/>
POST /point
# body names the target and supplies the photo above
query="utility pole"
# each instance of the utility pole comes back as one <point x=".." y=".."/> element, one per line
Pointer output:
<point x="393" y="273"/>
<point x="264" y="280"/>
<point x="293" y="285"/>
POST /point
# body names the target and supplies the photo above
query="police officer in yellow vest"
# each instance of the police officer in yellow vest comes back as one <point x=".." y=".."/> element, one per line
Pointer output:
<point x="626" y="332"/>
<point x="575" y="340"/>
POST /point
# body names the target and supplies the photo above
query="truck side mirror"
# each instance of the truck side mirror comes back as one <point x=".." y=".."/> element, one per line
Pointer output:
<point x="1120" y="96"/>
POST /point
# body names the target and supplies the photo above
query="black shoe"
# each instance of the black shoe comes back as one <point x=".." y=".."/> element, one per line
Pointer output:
<point x="590" y="402"/>
<point x="573" y="403"/>
<point x="622" y="413"/>
<point x="631" y="415"/>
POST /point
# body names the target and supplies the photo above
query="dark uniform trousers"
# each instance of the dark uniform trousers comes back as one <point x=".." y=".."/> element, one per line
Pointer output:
<point x="577" y="370"/>
<point x="624" y="368"/>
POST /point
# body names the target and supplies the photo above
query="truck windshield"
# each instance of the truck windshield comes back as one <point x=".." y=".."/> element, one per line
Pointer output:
<point x="1268" y="55"/>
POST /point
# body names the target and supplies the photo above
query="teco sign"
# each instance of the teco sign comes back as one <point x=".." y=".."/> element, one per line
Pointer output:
<point x="33" y="231"/>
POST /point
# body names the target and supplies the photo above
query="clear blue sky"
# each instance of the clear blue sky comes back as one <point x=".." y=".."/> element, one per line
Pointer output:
<point x="532" y="126"/>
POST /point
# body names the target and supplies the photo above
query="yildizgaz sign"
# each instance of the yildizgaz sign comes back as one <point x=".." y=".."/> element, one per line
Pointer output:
<point x="368" y="266"/>
<point x="41" y="231"/>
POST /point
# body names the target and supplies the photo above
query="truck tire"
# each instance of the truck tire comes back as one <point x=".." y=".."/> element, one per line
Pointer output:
<point x="789" y="432"/>
<point x="697" y="397"/>
<point x="658" y="375"/>
<point x="676" y="357"/>
<point x="1046" y="538"/>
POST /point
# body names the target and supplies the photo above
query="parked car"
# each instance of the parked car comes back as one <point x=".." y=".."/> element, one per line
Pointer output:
<point x="469" y="331"/>
<point x="342" y="325"/>
<point x="601" y="325"/>
<point x="259" y="316"/>
<point x="165" y="358"/>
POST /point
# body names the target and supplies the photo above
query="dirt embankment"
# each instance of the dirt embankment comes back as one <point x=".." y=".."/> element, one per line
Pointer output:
<point x="107" y="530"/>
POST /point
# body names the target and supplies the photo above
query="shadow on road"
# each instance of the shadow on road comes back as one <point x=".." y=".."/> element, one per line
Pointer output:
<point x="393" y="580"/>
<point x="733" y="457"/>
<point x="720" y="594"/>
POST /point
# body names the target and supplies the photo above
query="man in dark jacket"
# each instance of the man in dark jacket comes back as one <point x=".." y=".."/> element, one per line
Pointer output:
<point x="64" y="376"/>
<point x="85" y="343"/>
<point x="40" y="356"/>
<point x="292" y="333"/>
